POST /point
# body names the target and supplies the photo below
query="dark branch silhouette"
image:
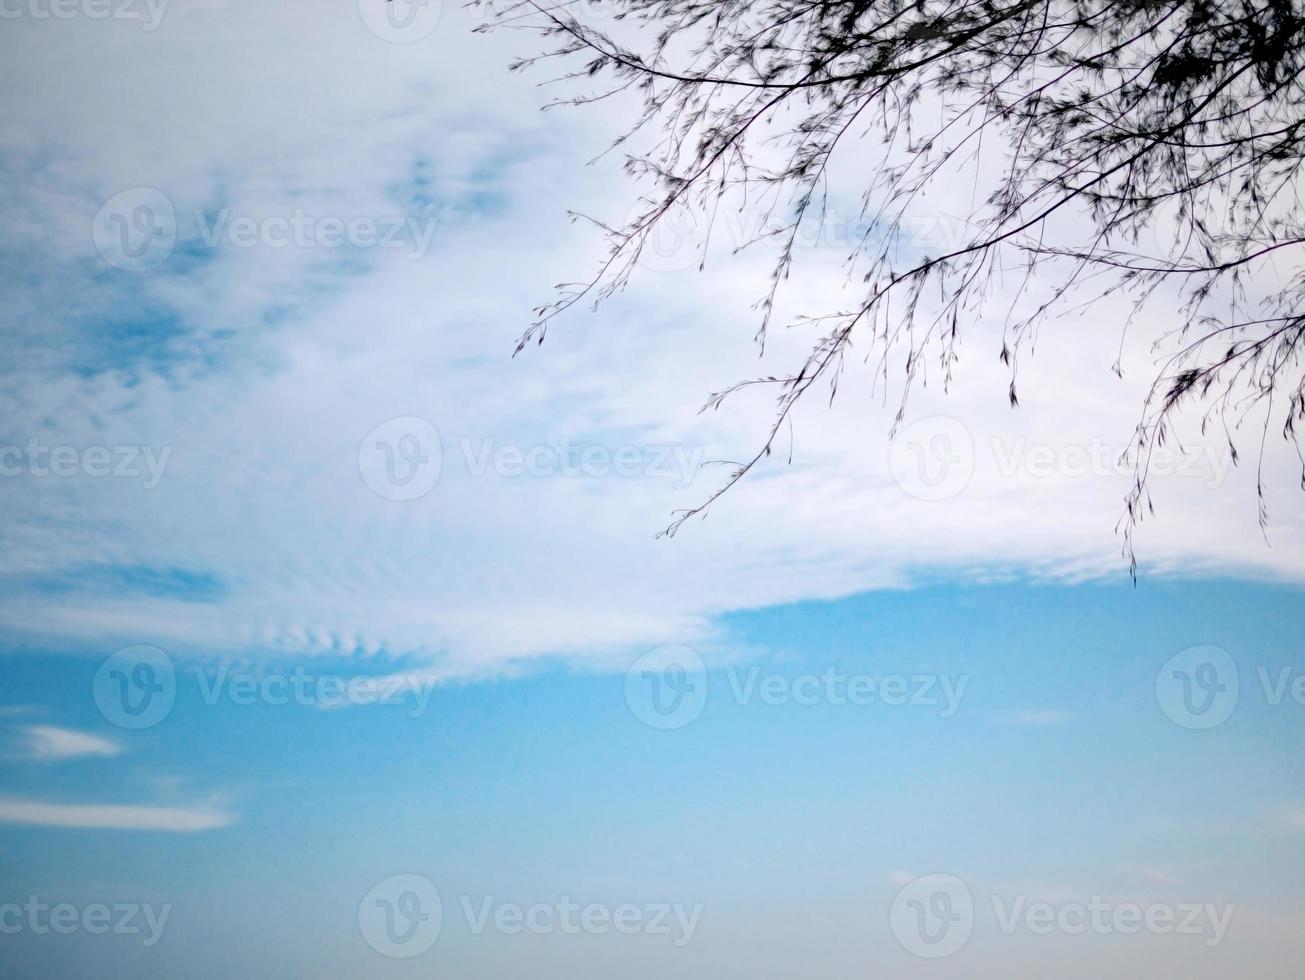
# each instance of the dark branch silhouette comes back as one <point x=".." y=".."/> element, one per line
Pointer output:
<point x="1114" y="118"/>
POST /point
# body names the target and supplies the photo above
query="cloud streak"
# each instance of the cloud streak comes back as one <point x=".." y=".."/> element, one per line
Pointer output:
<point x="52" y="743"/>
<point x="178" y="820"/>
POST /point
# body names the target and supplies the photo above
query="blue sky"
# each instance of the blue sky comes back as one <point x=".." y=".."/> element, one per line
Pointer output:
<point x="272" y="447"/>
<point x="1059" y="773"/>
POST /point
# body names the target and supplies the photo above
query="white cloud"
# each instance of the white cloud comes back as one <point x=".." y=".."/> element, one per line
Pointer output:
<point x="49" y="742"/>
<point x="285" y="359"/>
<point x="101" y="817"/>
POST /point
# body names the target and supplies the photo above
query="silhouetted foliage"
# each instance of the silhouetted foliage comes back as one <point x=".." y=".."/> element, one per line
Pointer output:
<point x="1114" y="118"/>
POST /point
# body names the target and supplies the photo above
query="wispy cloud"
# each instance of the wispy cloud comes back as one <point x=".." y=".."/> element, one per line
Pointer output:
<point x="520" y="550"/>
<point x="52" y="743"/>
<point x="179" y="820"/>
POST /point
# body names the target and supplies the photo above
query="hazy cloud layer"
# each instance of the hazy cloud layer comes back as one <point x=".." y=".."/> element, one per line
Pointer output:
<point x="220" y="419"/>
